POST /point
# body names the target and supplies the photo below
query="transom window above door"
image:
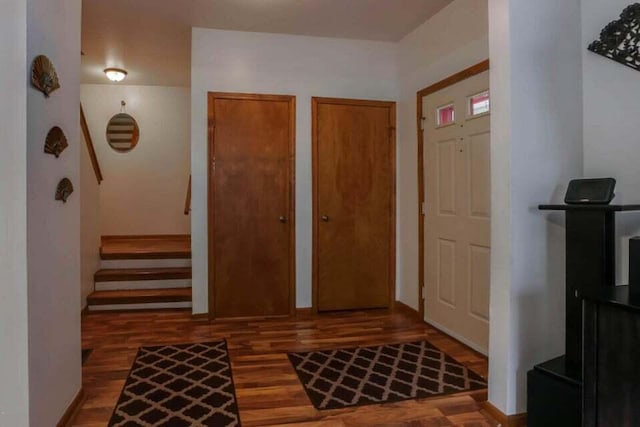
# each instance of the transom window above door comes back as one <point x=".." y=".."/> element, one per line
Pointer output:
<point x="445" y="115"/>
<point x="479" y="104"/>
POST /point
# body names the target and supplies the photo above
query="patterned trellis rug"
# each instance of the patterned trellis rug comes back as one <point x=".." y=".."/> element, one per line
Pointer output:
<point x="336" y="379"/>
<point x="179" y="385"/>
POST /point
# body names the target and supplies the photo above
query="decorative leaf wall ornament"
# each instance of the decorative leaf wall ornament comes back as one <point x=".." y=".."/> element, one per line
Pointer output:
<point x="44" y="76"/>
<point x="56" y="142"/>
<point x="620" y="40"/>
<point x="64" y="190"/>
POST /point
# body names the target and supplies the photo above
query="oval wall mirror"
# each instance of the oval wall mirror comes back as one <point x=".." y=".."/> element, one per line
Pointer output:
<point x="122" y="132"/>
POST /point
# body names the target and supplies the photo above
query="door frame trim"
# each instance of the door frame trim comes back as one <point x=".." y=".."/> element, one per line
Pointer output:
<point x="391" y="105"/>
<point x="291" y="100"/>
<point x="442" y="84"/>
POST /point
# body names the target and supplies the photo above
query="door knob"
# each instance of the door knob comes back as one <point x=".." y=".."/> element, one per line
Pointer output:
<point x="283" y="219"/>
<point x="325" y="218"/>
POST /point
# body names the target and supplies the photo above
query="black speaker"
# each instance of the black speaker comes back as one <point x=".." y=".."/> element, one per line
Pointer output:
<point x="634" y="264"/>
<point x="598" y="191"/>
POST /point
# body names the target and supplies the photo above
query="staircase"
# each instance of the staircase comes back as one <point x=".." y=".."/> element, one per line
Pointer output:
<point x="142" y="272"/>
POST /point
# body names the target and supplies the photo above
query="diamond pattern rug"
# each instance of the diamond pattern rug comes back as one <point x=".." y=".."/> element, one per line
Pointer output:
<point x="341" y="378"/>
<point x="179" y="385"/>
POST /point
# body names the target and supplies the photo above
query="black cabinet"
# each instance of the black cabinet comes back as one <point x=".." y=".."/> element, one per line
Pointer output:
<point x="555" y="387"/>
<point x="612" y="358"/>
<point x="553" y="397"/>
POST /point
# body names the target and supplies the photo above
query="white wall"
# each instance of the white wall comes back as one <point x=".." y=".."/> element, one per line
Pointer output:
<point x="53" y="227"/>
<point x="611" y="111"/>
<point x="144" y="190"/>
<point x="452" y="40"/>
<point x="536" y="126"/>
<point x="89" y="223"/>
<point x="14" y="387"/>
<point x="229" y="61"/>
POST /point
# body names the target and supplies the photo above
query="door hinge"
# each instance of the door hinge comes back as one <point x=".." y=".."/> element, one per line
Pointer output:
<point x="423" y="122"/>
<point x="423" y="208"/>
<point x="424" y="292"/>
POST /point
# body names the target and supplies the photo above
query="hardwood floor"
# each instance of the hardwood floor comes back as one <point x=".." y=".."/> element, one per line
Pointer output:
<point x="268" y="390"/>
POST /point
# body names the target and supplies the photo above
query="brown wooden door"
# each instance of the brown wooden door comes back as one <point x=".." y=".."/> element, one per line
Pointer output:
<point x="251" y="223"/>
<point x="354" y="203"/>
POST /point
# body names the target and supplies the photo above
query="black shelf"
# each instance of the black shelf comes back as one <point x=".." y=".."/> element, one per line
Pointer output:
<point x="558" y="368"/>
<point x="618" y="296"/>
<point x="554" y="388"/>
<point x="600" y="208"/>
<point x="611" y="340"/>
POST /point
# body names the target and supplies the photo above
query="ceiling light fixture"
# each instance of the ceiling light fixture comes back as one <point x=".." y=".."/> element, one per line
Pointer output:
<point x="115" y="74"/>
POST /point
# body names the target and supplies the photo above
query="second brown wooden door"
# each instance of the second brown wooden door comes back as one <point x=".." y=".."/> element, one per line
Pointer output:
<point x="354" y="194"/>
<point x="251" y="205"/>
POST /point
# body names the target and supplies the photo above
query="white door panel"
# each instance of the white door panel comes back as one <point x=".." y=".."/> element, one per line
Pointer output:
<point x="457" y="237"/>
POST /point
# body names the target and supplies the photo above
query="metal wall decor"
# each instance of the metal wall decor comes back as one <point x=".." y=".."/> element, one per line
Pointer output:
<point x="44" y="76"/>
<point x="620" y="40"/>
<point x="64" y="190"/>
<point x="56" y="142"/>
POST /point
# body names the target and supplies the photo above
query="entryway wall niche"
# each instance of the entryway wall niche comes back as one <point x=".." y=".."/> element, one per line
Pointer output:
<point x="242" y="62"/>
<point x="144" y="189"/>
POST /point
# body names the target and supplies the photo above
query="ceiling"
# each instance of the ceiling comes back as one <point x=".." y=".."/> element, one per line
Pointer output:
<point x="151" y="39"/>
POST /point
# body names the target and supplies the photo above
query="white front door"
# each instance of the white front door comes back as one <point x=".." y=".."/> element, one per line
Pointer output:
<point x="458" y="208"/>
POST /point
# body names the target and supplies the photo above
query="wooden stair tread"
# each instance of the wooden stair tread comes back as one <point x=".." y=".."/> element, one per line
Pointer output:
<point x="135" y="274"/>
<point x="145" y="247"/>
<point x="139" y="296"/>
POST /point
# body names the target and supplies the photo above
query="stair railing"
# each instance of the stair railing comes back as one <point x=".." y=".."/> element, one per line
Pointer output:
<point x="90" y="148"/>
<point x="187" y="202"/>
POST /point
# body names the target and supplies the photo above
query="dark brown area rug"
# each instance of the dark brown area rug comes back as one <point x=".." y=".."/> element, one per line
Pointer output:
<point x="179" y="385"/>
<point x="341" y="378"/>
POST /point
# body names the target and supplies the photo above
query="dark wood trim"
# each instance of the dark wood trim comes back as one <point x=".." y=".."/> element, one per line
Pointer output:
<point x="73" y="409"/>
<point x="251" y="96"/>
<point x="442" y="84"/>
<point x="210" y="211"/>
<point x="315" y="224"/>
<point x="145" y="236"/>
<point x="305" y="312"/>
<point x="139" y="296"/>
<point x="315" y="101"/>
<point x="90" y="147"/>
<point x="455" y="78"/>
<point x="292" y="205"/>
<point x="518" y="420"/>
<point x="200" y="317"/>
<point x="347" y="101"/>
<point x="187" y="202"/>
<point x="401" y="307"/>
<point x="147" y="253"/>
<point x="135" y="274"/>
<point x="150" y="254"/>
<point x="392" y="202"/>
<point x="141" y="310"/>
<point x="291" y="99"/>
